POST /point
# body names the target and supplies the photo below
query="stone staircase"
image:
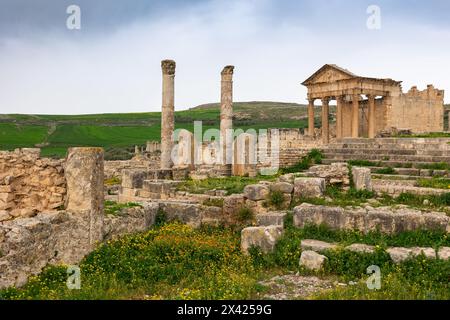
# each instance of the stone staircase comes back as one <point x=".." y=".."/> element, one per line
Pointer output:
<point x="406" y="153"/>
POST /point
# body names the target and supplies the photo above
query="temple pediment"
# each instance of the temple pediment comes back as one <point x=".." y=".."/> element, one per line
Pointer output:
<point x="329" y="73"/>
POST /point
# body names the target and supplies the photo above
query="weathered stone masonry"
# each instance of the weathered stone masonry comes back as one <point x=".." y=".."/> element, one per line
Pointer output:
<point x="29" y="184"/>
<point x="28" y="244"/>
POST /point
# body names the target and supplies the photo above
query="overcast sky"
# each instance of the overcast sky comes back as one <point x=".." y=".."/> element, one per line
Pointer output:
<point x="112" y="64"/>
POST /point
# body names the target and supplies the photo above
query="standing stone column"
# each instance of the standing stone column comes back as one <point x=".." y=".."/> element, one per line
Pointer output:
<point x="311" y="118"/>
<point x="339" y="117"/>
<point x="84" y="173"/>
<point x="168" y="109"/>
<point x="325" y="121"/>
<point x="226" y="115"/>
<point x="448" y="114"/>
<point x="371" y="116"/>
<point x="355" y="116"/>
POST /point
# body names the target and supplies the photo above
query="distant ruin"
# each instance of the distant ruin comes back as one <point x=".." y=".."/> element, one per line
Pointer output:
<point x="385" y="107"/>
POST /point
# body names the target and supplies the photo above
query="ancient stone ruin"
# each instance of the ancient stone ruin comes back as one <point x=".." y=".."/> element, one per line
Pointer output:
<point x="52" y="211"/>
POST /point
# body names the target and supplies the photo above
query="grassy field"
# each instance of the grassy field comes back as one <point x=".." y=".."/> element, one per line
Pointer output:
<point x="174" y="261"/>
<point x="119" y="132"/>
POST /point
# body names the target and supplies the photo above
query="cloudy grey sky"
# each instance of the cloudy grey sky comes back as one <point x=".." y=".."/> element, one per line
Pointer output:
<point x="113" y="63"/>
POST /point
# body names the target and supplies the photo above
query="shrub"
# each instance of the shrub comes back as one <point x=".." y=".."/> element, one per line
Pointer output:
<point x="315" y="156"/>
<point x="160" y="218"/>
<point x="438" y="183"/>
<point x="114" y="208"/>
<point x="245" y="215"/>
<point x="276" y="199"/>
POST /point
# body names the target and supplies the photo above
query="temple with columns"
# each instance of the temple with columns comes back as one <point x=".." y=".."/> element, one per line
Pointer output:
<point x="366" y="106"/>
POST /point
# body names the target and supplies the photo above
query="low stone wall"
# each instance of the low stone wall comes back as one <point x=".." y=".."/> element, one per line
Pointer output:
<point x="30" y="184"/>
<point x="115" y="168"/>
<point x="383" y="219"/>
<point x="27" y="245"/>
<point x="393" y="188"/>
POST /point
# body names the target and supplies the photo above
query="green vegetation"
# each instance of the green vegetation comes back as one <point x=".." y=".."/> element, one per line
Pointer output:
<point x="169" y="262"/>
<point x="214" y="202"/>
<point x="427" y="135"/>
<point x="438" y="183"/>
<point x="364" y="163"/>
<point x="232" y="185"/>
<point x="276" y="199"/>
<point x="435" y="166"/>
<point x="174" y="261"/>
<point x="114" y="208"/>
<point x="113" y="181"/>
<point x="313" y="157"/>
<point x="245" y="215"/>
<point x="418" y="201"/>
<point x="387" y="170"/>
<point x="338" y="197"/>
<point x="119" y="133"/>
<point x="416" y="278"/>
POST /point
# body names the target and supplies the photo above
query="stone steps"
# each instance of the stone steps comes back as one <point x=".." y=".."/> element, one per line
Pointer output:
<point x="435" y="153"/>
<point x="386" y="157"/>
<point x="393" y="164"/>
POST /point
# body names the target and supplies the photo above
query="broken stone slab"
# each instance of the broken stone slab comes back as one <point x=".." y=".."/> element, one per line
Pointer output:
<point x="275" y="218"/>
<point x="316" y="245"/>
<point x="133" y="178"/>
<point x="283" y="187"/>
<point x="383" y="219"/>
<point x="288" y="178"/>
<point x="311" y="260"/>
<point x="264" y="238"/>
<point x="256" y="192"/>
<point x="336" y="173"/>
<point x="4" y="216"/>
<point x="444" y="253"/>
<point x="362" y="178"/>
<point x="399" y="254"/>
<point x="360" y="248"/>
<point x="309" y="187"/>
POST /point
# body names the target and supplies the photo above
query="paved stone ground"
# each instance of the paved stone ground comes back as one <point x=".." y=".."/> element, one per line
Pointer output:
<point x="294" y="287"/>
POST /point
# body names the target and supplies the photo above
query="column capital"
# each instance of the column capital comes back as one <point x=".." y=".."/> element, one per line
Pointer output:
<point x="326" y="100"/>
<point x="228" y="70"/>
<point x="168" y="67"/>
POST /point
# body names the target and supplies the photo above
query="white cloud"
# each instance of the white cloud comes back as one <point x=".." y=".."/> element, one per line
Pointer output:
<point x="120" y="72"/>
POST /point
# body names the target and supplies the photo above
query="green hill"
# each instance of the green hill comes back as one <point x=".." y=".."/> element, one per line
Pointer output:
<point x="119" y="133"/>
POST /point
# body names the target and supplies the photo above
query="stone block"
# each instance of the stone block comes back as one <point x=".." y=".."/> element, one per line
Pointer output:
<point x="256" y="192"/>
<point x="399" y="254"/>
<point x="257" y="207"/>
<point x="312" y="260"/>
<point x="288" y="178"/>
<point x="264" y="238"/>
<point x="232" y="204"/>
<point x="133" y="178"/>
<point x="362" y="179"/>
<point x="316" y="245"/>
<point x="309" y="187"/>
<point x="360" y="248"/>
<point x="283" y="187"/>
<point x="275" y="218"/>
<point x="444" y="253"/>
